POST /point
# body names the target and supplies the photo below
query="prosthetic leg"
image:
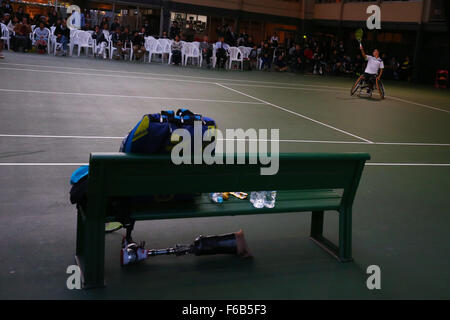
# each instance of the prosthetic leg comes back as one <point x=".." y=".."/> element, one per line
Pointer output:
<point x="231" y="243"/>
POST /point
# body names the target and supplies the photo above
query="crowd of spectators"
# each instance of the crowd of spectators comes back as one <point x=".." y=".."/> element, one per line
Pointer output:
<point x="324" y="55"/>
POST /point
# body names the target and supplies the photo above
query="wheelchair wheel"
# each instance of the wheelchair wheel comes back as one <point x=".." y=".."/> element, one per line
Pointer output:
<point x="112" y="226"/>
<point x="380" y="87"/>
<point x="356" y="86"/>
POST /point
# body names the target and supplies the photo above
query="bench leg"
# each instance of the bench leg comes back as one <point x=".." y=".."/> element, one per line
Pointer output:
<point x="91" y="247"/>
<point x="345" y="235"/>
<point x="80" y="231"/>
<point x="316" y="224"/>
<point x="343" y="252"/>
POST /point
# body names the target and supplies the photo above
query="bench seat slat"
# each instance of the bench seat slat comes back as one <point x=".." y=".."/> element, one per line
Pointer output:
<point x="287" y="201"/>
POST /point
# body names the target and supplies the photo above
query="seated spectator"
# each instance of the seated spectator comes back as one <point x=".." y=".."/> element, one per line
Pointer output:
<point x="249" y="43"/>
<point x="117" y="40"/>
<point x="144" y="33"/>
<point x="101" y="37"/>
<point x="138" y="45"/>
<point x="174" y="30"/>
<point x="6" y="8"/>
<point x="11" y="26"/>
<point x="274" y="40"/>
<point x="240" y="40"/>
<point x="230" y="37"/>
<point x="52" y="17"/>
<point x="164" y="35"/>
<point x="308" y="61"/>
<point x="62" y="33"/>
<point x="87" y="26"/>
<point x="280" y="63"/>
<point x="5" y="19"/>
<point x="405" y="69"/>
<point x="147" y="28"/>
<point x="176" y="48"/>
<point x="253" y="57"/>
<point x="319" y="63"/>
<point x="291" y="50"/>
<point x="104" y="23"/>
<point x="395" y="68"/>
<point x="297" y="58"/>
<point x="115" y="24"/>
<point x="121" y="42"/>
<point x="41" y="35"/>
<point x="266" y="57"/>
<point x="206" y="50"/>
<point x="22" y="14"/>
<point x="221" y="52"/>
<point x="22" y="36"/>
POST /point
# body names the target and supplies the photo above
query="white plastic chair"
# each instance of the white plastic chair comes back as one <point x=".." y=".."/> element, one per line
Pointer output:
<point x="5" y="35"/>
<point x="214" y="58"/>
<point x="166" y="44"/>
<point x="84" y="40"/>
<point x="192" y="51"/>
<point x="147" y="45"/>
<point x="150" y="44"/>
<point x="158" y="49"/>
<point x="245" y="51"/>
<point x="33" y="38"/>
<point x="111" y="46"/>
<point x="74" y="34"/>
<point x="235" y="55"/>
<point x="50" y="38"/>
<point x="55" y="44"/>
<point x="259" y="58"/>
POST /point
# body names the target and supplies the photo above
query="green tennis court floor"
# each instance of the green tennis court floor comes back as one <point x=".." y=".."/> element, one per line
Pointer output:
<point x="54" y="111"/>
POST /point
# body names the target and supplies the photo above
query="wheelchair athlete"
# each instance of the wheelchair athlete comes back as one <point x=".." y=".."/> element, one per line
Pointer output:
<point x="374" y="65"/>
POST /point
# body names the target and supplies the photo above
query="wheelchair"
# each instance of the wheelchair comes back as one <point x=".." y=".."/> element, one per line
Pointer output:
<point x="362" y="87"/>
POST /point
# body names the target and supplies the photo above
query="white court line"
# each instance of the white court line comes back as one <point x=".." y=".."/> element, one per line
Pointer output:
<point x="375" y="164"/>
<point x="125" y="96"/>
<point x="419" y="144"/>
<point x="105" y="75"/>
<point x="417" y="104"/>
<point x="133" y="77"/>
<point x="306" y="87"/>
<point x="324" y="88"/>
<point x="172" y="75"/>
<point x="56" y="137"/>
<point x="295" y="113"/>
<point x="41" y="164"/>
<point x="371" y="164"/>
<point x="319" y="88"/>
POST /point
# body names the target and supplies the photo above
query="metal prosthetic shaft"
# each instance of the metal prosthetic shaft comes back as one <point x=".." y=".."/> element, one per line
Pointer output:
<point x="203" y="245"/>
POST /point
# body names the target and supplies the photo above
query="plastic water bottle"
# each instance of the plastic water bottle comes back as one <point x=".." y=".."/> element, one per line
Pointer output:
<point x="216" y="197"/>
<point x="257" y="198"/>
<point x="269" y="199"/>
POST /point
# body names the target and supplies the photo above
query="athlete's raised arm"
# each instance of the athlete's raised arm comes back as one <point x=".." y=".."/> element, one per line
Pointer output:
<point x="362" y="51"/>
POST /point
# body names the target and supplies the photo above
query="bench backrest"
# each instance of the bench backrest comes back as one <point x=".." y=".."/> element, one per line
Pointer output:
<point x="120" y="174"/>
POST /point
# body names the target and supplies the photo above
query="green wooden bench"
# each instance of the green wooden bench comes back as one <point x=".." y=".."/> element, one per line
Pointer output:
<point x="305" y="182"/>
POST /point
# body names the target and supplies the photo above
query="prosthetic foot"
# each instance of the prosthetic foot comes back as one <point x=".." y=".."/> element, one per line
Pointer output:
<point x="231" y="243"/>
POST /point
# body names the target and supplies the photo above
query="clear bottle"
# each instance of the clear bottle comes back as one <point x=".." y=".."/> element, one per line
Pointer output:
<point x="270" y="198"/>
<point x="257" y="199"/>
<point x="216" y="197"/>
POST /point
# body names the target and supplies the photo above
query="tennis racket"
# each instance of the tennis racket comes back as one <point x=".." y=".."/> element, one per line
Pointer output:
<point x="359" y="35"/>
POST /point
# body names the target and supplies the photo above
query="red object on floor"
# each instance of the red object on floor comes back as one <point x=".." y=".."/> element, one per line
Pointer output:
<point x="441" y="79"/>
